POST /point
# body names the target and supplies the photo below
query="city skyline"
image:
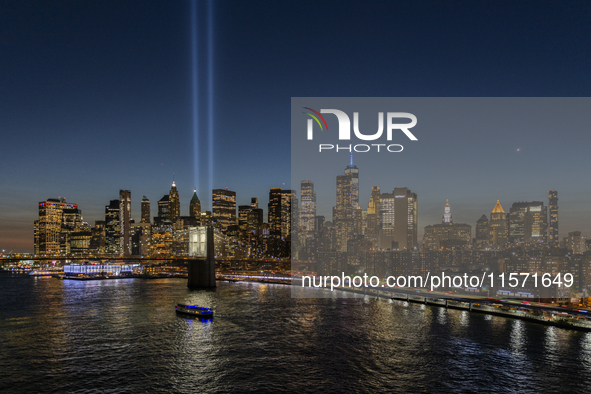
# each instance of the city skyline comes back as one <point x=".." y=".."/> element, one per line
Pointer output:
<point x="233" y="212"/>
<point x="465" y="153"/>
<point x="106" y="98"/>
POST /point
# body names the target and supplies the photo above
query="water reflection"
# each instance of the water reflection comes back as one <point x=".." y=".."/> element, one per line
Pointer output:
<point x="124" y="335"/>
<point x="464" y="318"/>
<point x="442" y="316"/>
<point x="517" y="339"/>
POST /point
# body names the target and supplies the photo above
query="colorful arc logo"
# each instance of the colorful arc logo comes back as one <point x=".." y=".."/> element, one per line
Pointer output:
<point x="316" y="118"/>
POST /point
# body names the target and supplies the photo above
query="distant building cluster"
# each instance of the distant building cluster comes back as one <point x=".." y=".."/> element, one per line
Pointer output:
<point x="61" y="231"/>
<point x="382" y="239"/>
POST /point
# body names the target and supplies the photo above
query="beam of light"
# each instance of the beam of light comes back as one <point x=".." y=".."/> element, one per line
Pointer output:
<point x="210" y="90"/>
<point x="195" y="92"/>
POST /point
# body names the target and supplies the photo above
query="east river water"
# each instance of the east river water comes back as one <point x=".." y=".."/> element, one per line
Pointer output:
<point x="124" y="336"/>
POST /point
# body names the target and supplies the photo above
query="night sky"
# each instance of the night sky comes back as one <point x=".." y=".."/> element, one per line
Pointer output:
<point x="98" y="96"/>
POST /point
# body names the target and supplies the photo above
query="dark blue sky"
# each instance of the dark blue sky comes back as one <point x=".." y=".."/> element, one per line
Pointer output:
<point x="97" y="96"/>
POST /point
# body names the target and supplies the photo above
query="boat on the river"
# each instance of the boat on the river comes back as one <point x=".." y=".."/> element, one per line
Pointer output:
<point x="194" y="310"/>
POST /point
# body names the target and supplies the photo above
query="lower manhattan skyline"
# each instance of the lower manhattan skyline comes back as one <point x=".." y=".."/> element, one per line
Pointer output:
<point x="534" y="164"/>
<point x="68" y="103"/>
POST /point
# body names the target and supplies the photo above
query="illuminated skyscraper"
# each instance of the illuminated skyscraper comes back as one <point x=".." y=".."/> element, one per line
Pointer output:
<point x="243" y="211"/>
<point x="373" y="206"/>
<point x="482" y="231"/>
<point x="145" y="210"/>
<point x="98" y="236"/>
<point x="398" y="218"/>
<point x="279" y="214"/>
<point x="125" y="221"/>
<point x="528" y="223"/>
<point x="308" y="207"/>
<point x="223" y="203"/>
<point x="342" y="212"/>
<point x="295" y="213"/>
<point x="71" y="218"/>
<point x="353" y="171"/>
<point x="164" y="207"/>
<point x="195" y="206"/>
<point x="346" y="214"/>
<point x="576" y="243"/>
<point x="174" y="204"/>
<point x="372" y="230"/>
<point x="113" y="227"/>
<point x="36" y="237"/>
<point x="49" y="225"/>
<point x="553" y="227"/>
<point x="498" y="226"/>
<point x="254" y="220"/>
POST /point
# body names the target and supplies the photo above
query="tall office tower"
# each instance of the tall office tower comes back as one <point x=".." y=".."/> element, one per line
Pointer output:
<point x="254" y="221"/>
<point x="145" y="210"/>
<point x="342" y="212"/>
<point x="345" y="214"/>
<point x="113" y="227"/>
<point x="223" y="207"/>
<point x="125" y="221"/>
<point x="447" y="213"/>
<point x="353" y="171"/>
<point x="279" y="213"/>
<point x="98" y="236"/>
<point x="386" y="234"/>
<point x="517" y="222"/>
<point x="373" y="216"/>
<point x="295" y="213"/>
<point x="164" y="207"/>
<point x="482" y="231"/>
<point x="75" y="234"/>
<point x="141" y="235"/>
<point x="553" y="227"/>
<point x="406" y="223"/>
<point x="373" y="206"/>
<point x="536" y="223"/>
<point x="308" y="207"/>
<point x="174" y="205"/>
<point x="72" y="217"/>
<point x="498" y="226"/>
<point x="49" y="225"/>
<point x="576" y="243"/>
<point x="195" y="206"/>
<point x="528" y="223"/>
<point x="399" y="219"/>
<point x="243" y="212"/>
<point x="36" y="237"/>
